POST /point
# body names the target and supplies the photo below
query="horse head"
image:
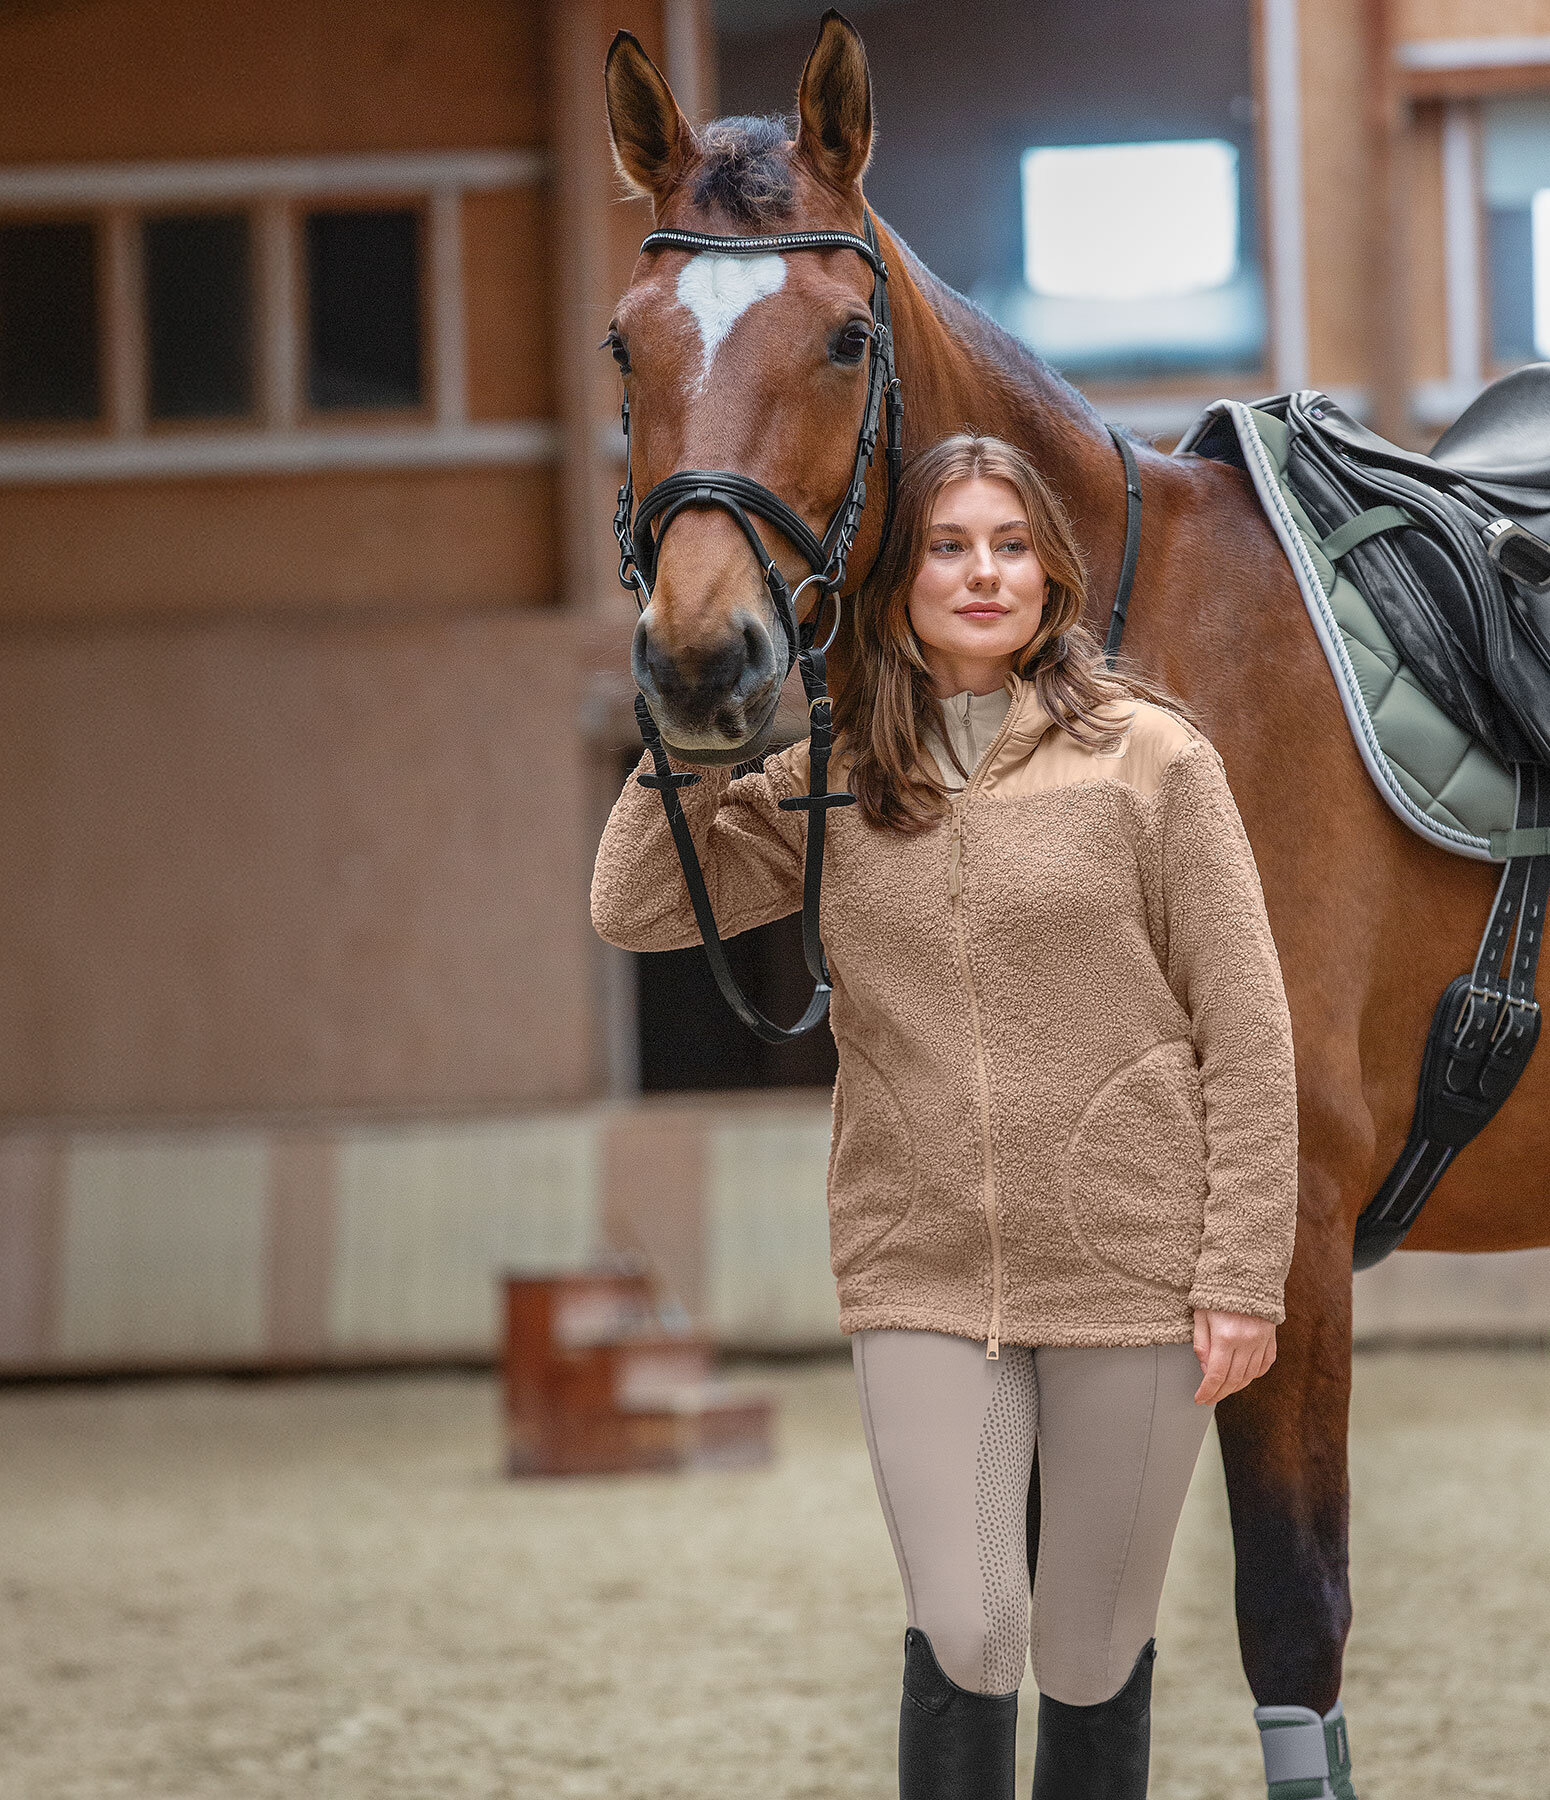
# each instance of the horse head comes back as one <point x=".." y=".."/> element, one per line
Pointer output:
<point x="754" y="364"/>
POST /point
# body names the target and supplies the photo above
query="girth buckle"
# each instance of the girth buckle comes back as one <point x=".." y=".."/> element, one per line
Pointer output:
<point x="1510" y="1048"/>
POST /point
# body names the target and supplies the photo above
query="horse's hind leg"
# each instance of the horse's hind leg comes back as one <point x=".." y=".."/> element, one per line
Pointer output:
<point x="1283" y="1442"/>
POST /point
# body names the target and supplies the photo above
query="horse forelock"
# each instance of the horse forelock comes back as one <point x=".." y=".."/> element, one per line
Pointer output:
<point x="744" y="171"/>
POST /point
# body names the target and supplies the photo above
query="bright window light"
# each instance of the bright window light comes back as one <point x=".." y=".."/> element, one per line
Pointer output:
<point x="1540" y="216"/>
<point x="1132" y="221"/>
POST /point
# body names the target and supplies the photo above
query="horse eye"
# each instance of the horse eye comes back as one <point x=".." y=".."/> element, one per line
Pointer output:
<point x="849" y="343"/>
<point x="617" y="348"/>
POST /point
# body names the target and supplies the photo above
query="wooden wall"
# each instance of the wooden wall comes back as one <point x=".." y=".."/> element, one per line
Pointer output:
<point x="121" y="80"/>
<point x="1378" y="308"/>
<point x="296" y="813"/>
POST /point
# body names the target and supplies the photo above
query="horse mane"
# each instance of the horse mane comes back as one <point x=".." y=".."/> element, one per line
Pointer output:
<point x="1006" y="357"/>
<point x="743" y="170"/>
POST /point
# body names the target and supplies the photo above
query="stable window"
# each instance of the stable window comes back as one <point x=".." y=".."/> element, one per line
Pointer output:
<point x="363" y="309"/>
<point x="1086" y="170"/>
<point x="48" y="322"/>
<point x="1516" y="183"/>
<point x="1132" y="258"/>
<point x="257" y="314"/>
<point x="199" y="315"/>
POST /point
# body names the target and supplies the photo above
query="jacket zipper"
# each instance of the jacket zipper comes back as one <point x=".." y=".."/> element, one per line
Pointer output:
<point x="987" y="1158"/>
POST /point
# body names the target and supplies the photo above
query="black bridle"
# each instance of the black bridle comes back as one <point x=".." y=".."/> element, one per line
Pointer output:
<point x="639" y="529"/>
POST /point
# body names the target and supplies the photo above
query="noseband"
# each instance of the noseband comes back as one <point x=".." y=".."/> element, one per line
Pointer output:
<point x="640" y="528"/>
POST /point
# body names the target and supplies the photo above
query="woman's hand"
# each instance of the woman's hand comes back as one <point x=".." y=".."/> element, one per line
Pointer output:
<point x="1233" y="1349"/>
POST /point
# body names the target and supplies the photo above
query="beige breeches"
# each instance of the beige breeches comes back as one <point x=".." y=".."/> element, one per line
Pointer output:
<point x="952" y="1438"/>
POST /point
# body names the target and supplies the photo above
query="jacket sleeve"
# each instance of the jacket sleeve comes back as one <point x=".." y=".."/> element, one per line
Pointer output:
<point x="750" y="852"/>
<point x="1222" y="966"/>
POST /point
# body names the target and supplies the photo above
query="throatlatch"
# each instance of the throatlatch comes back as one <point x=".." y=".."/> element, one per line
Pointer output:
<point x="639" y="530"/>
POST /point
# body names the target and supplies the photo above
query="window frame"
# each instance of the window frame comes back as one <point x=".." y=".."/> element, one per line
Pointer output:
<point x="1492" y="365"/>
<point x="282" y="433"/>
<point x="1460" y="75"/>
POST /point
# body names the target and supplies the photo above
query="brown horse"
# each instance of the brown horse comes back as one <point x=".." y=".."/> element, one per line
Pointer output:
<point x="1370" y="921"/>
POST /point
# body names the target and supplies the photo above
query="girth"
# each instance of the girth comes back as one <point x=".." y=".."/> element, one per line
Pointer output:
<point x="1483" y="1030"/>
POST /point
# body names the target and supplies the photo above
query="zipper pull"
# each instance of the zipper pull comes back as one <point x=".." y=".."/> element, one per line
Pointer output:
<point x="955" y="862"/>
<point x="993" y="1345"/>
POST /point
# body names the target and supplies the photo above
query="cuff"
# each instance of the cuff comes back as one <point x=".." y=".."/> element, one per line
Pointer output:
<point x="1256" y="1306"/>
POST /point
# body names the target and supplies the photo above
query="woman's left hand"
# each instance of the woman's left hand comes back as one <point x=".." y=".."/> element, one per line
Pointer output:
<point x="1233" y="1349"/>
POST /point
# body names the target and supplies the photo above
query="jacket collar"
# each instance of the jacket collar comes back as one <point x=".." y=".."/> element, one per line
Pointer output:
<point x="1024" y="725"/>
<point x="1028" y="720"/>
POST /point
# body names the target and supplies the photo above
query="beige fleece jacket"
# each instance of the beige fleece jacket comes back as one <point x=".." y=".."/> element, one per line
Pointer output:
<point x="1066" y="1108"/>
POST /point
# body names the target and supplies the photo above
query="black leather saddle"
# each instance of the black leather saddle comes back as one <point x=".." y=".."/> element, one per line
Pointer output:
<point x="1499" y="446"/>
<point x="1451" y="550"/>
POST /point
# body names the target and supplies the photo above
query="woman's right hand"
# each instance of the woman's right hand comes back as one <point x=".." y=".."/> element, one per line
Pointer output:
<point x="1233" y="1349"/>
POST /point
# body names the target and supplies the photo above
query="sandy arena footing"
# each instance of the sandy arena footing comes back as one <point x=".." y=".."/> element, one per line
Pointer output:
<point x="242" y="1591"/>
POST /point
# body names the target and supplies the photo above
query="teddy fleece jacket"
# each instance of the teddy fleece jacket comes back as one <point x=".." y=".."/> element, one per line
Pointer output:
<point x="1066" y="1107"/>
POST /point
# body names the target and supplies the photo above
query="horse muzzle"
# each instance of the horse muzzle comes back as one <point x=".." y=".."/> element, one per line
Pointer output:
<point x="714" y="703"/>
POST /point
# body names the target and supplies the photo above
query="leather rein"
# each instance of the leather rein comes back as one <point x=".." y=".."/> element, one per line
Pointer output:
<point x="639" y="528"/>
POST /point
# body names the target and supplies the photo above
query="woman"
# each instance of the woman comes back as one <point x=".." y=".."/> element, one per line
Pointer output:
<point x="1063" y="1179"/>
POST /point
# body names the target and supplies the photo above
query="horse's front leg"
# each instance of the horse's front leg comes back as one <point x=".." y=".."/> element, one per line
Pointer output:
<point x="1283" y="1444"/>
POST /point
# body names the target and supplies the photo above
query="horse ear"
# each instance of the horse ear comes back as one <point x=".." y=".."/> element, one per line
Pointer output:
<point x="834" y="104"/>
<point x="653" y="142"/>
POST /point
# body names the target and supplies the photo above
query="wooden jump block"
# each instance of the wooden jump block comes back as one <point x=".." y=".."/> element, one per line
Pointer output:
<point x="600" y="1378"/>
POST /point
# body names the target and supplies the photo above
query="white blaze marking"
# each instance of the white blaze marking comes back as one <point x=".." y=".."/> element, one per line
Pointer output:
<point x="718" y="290"/>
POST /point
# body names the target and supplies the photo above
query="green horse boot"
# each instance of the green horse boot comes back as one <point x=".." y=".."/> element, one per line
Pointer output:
<point x="1306" y="1757"/>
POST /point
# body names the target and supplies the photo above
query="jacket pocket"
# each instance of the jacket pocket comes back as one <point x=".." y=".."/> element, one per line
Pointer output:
<point x="871" y="1164"/>
<point x="1134" y="1175"/>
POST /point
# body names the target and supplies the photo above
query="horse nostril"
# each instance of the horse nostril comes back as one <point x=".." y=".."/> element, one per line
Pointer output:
<point x="759" y="657"/>
<point x="641" y="658"/>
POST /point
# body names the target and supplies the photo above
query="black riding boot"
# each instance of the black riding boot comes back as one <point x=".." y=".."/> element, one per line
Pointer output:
<point x="953" y="1744"/>
<point x="1100" y="1752"/>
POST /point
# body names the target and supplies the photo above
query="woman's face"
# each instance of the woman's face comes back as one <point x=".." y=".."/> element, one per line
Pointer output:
<point x="980" y="592"/>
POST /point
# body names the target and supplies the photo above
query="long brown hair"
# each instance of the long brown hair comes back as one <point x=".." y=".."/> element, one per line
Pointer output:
<point x="886" y="702"/>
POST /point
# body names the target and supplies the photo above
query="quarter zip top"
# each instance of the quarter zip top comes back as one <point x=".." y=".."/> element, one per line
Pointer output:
<point x="965" y="727"/>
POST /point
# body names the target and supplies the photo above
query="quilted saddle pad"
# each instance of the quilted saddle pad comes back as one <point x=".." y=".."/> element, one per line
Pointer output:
<point x="1444" y="784"/>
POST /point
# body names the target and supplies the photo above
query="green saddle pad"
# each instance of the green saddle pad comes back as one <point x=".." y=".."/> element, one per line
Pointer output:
<point x="1446" y="786"/>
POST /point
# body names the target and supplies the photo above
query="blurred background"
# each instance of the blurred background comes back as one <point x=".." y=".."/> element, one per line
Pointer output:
<point x="313" y="690"/>
<point x="314" y="697"/>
